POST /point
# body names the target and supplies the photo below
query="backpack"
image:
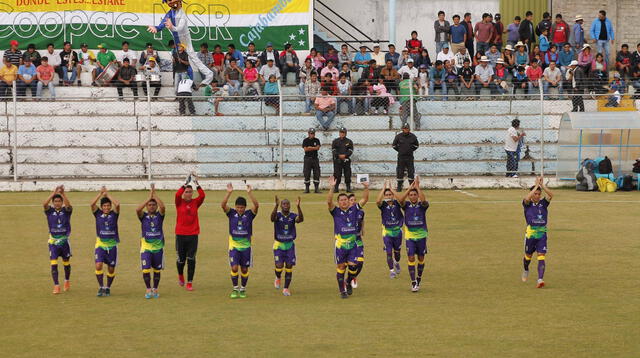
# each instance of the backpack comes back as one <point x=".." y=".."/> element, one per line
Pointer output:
<point x="606" y="185"/>
<point x="605" y="167"/>
<point x="636" y="166"/>
<point x="627" y="183"/>
<point x="586" y="177"/>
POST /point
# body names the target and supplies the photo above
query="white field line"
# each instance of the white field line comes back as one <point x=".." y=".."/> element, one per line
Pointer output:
<point x="466" y="193"/>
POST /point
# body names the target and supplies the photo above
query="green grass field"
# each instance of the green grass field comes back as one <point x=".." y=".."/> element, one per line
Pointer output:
<point x="472" y="302"/>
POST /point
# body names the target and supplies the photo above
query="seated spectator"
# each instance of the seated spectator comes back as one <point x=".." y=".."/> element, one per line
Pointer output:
<point x="635" y="58"/>
<point x="152" y="69"/>
<point x="330" y="68"/>
<point x="344" y="91"/>
<point x="452" y="77"/>
<point x="268" y="70"/>
<point x="552" y="78"/>
<point x="520" y="79"/>
<point x="565" y="57"/>
<point x="377" y="55"/>
<point x="325" y="105"/>
<point x="290" y="63"/>
<point x="271" y="91"/>
<point x="54" y="61"/>
<point x="500" y="76"/>
<point x="410" y="69"/>
<point x="381" y="98"/>
<point x="32" y="54"/>
<point x="623" y="62"/>
<point x="414" y="46"/>
<point x="233" y="77"/>
<point x="104" y="58"/>
<point x="362" y="91"/>
<point x="476" y="59"/>
<point x="493" y="55"/>
<point x="536" y="54"/>
<point x="362" y="59"/>
<point x="551" y="56"/>
<point x="345" y="71"/>
<point x="509" y="58"/>
<point x="521" y="55"/>
<point x="484" y="76"/>
<point x="218" y="65"/>
<point x="45" y="77"/>
<point x="403" y="58"/>
<point x="250" y="80"/>
<point x="445" y="54"/>
<point x="125" y="52"/>
<point x="86" y="55"/>
<point x="328" y="83"/>
<point x="127" y="78"/>
<point x="423" y="80"/>
<point x="68" y="55"/>
<point x="311" y="90"/>
<point x="269" y="53"/>
<point x="424" y="59"/>
<point x="87" y="60"/>
<point x="316" y="59"/>
<point x="332" y="55"/>
<point x="585" y="58"/>
<point x="614" y="98"/>
<point x="635" y="76"/>
<point x="185" y="91"/>
<point x="305" y="74"/>
<point x="534" y="73"/>
<point x="466" y="74"/>
<point x="458" y="59"/>
<point x="236" y="54"/>
<point x="599" y="70"/>
<point x="371" y="73"/>
<point x="253" y="55"/>
<point x="206" y="58"/>
<point x="437" y="79"/>
<point x="27" y="79"/>
<point x="344" y="56"/>
<point x="216" y="95"/>
<point x="393" y="56"/>
<point x="391" y="76"/>
<point x="618" y="84"/>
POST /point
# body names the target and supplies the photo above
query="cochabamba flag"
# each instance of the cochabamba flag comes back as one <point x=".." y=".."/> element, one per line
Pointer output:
<point x="112" y="21"/>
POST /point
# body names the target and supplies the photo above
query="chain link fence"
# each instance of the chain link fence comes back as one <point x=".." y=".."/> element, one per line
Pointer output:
<point x="103" y="136"/>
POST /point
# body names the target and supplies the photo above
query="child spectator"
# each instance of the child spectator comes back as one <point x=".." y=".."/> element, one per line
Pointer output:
<point x="423" y="80"/>
<point x="216" y="95"/>
<point x="329" y="84"/>
<point x="520" y="79"/>
<point x="414" y="45"/>
<point x="344" y="91"/>
<point x="271" y="91"/>
<point x="382" y="98"/>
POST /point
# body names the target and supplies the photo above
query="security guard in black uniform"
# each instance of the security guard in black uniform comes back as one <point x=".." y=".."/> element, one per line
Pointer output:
<point x="342" y="148"/>
<point x="311" y="146"/>
<point x="405" y="143"/>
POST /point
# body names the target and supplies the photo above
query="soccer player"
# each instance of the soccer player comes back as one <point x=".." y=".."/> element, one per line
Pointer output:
<point x="59" y="221"/>
<point x="535" y="238"/>
<point x="240" y="231"/>
<point x="415" y="232"/>
<point x="187" y="229"/>
<point x="107" y="239"/>
<point x="359" y="205"/>
<point x="284" y="250"/>
<point x="345" y="230"/>
<point x="392" y="222"/>
<point x="152" y="241"/>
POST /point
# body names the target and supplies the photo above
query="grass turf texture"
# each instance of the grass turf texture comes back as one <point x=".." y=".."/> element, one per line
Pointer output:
<point x="472" y="301"/>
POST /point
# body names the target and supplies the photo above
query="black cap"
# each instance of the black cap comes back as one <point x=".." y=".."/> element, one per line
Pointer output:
<point x="311" y="130"/>
<point x="31" y="46"/>
<point x="343" y="129"/>
<point x="84" y="44"/>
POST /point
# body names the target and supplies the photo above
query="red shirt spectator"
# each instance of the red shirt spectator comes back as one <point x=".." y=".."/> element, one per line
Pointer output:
<point x="560" y="32"/>
<point x="534" y="72"/>
<point x="187" y="213"/>
<point x="218" y="59"/>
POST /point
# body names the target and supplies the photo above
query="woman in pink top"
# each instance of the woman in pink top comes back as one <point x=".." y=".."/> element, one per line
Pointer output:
<point x="585" y="58"/>
<point x="382" y="97"/>
<point x="316" y="59"/>
<point x="250" y="75"/>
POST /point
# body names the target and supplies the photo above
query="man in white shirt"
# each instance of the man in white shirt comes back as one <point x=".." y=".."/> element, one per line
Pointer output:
<point x="410" y="69"/>
<point x="268" y="70"/>
<point x="484" y="76"/>
<point x="512" y="144"/>
<point x="126" y="53"/>
<point x="445" y="54"/>
<point x="185" y="90"/>
<point x="552" y="77"/>
<point x="54" y="61"/>
<point x="377" y="55"/>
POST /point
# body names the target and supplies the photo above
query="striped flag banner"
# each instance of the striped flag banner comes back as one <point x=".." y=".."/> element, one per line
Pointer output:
<point x="112" y="21"/>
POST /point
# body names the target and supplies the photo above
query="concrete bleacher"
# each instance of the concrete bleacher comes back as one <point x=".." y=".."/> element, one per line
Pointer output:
<point x="100" y="138"/>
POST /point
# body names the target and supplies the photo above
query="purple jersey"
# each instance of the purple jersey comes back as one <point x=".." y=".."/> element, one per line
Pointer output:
<point x="107" y="225"/>
<point x="391" y="215"/>
<point x="59" y="221"/>
<point x="285" y="227"/>
<point x="415" y="220"/>
<point x="240" y="226"/>
<point x="345" y="227"/>
<point x="536" y="214"/>
<point x="152" y="234"/>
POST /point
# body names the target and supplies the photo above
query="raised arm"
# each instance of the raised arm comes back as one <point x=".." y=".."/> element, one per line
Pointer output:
<point x="65" y="201"/>
<point x="140" y="208"/>
<point x="102" y="192"/>
<point x="365" y="195"/>
<point x="421" y="195"/>
<point x="201" y="195"/>
<point x="527" y="199"/>
<point x="403" y="198"/>
<point x="545" y="189"/>
<point x="381" y="193"/>
<point x="332" y="183"/>
<point x="223" y="205"/>
<point x="253" y="199"/>
<point x="300" y="217"/>
<point x="114" y="203"/>
<point x="274" y="213"/>
<point x="45" y="204"/>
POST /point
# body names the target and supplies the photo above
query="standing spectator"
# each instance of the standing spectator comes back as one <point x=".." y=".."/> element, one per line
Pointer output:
<point x="271" y="90"/>
<point x="362" y="59"/>
<point x="393" y="56"/>
<point x="552" y="78"/>
<point x="311" y="146"/>
<point x="104" y="58"/>
<point x="14" y="55"/>
<point x="526" y="31"/>
<point x="534" y="73"/>
<point x="468" y="42"/>
<point x="270" y="54"/>
<point x="331" y="68"/>
<point x="68" y="61"/>
<point x="32" y="54"/>
<point x="290" y="63"/>
<point x="345" y="55"/>
<point x="405" y="143"/>
<point x="602" y="33"/>
<point x="437" y="79"/>
<point x="250" y="79"/>
<point x="182" y="69"/>
<point x="466" y="75"/>
<point x="325" y="105"/>
<point x="424" y="59"/>
<point x="233" y="76"/>
<point x="623" y="62"/>
<point x="8" y="74"/>
<point x="410" y="69"/>
<point x="125" y="52"/>
<point x="377" y="55"/>
<point x="544" y="42"/>
<point x="185" y="90"/>
<point x="565" y="57"/>
<point x="311" y="90"/>
<point x="342" y="149"/>
<point x="305" y="74"/>
<point x="45" y="78"/>
<point x="407" y="89"/>
<point x="382" y="98"/>
<point x="206" y="58"/>
<point x="575" y="81"/>
<point x="499" y="27"/>
<point x="414" y="45"/>
<point x="513" y="36"/>
<point x="236" y="54"/>
<point x="27" y="79"/>
<point x="443" y="31"/>
<point x="484" y="76"/>
<point x="268" y="70"/>
<point x="493" y="55"/>
<point x="484" y="32"/>
<point x="458" y="35"/>
<point x="460" y="57"/>
<point x="544" y="24"/>
<point x="445" y="54"/>
<point x="152" y="69"/>
<point x="127" y="78"/>
<point x="344" y="90"/>
<point x="87" y="60"/>
<point x="577" y="34"/>
<point x="391" y="76"/>
<point x="511" y="145"/>
<point x="253" y="55"/>
<point x="560" y="31"/>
